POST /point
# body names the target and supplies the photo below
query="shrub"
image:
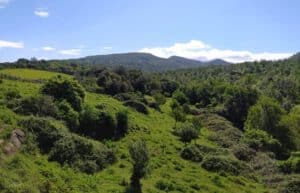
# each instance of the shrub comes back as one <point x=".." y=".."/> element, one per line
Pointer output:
<point x="192" y="153"/>
<point x="261" y="140"/>
<point x="150" y="102"/>
<point x="40" y="105"/>
<point x="140" y="159"/>
<point x="81" y="154"/>
<point x="186" y="132"/>
<point x="12" y="94"/>
<point x="138" y="106"/>
<point x="180" y="97"/>
<point x="243" y="152"/>
<point x="65" y="148"/>
<point x="165" y="185"/>
<point x="65" y="89"/>
<point x="292" y="187"/>
<point x="122" y="123"/>
<point x="45" y="132"/>
<point x="67" y="113"/>
<point x="160" y="98"/>
<point x="222" y="164"/>
<point x="96" y="123"/>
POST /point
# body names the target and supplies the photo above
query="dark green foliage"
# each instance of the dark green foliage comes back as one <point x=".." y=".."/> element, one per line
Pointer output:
<point x="81" y="153"/>
<point x="97" y="124"/>
<point x="192" y="153"/>
<point x="45" y="132"/>
<point x="243" y="152"/>
<point x="168" y="86"/>
<point x="222" y="164"/>
<point x="122" y="123"/>
<point x="66" y="148"/>
<point x="266" y="115"/>
<point x="12" y="94"/>
<point x="113" y="83"/>
<point x="180" y="97"/>
<point x="237" y="104"/>
<point x="69" y="115"/>
<point x="177" y="112"/>
<point x="40" y="106"/>
<point x="292" y="187"/>
<point x="261" y="140"/>
<point x="65" y="89"/>
<point x="165" y="185"/>
<point x="159" y="98"/>
<point x="138" y="106"/>
<point x="140" y="159"/>
<point x="187" y="132"/>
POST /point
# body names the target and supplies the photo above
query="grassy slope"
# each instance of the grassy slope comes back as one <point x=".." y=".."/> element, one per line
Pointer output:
<point x="155" y="128"/>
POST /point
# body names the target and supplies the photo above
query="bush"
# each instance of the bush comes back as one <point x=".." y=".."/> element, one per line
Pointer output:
<point x="45" y="132"/>
<point x="97" y="124"/>
<point x="222" y="164"/>
<point x="65" y="148"/>
<point x="261" y="140"/>
<point x="67" y="113"/>
<point x="138" y="106"/>
<point x="160" y="98"/>
<point x="65" y="89"/>
<point x="140" y="159"/>
<point x="180" y="97"/>
<point x="81" y="154"/>
<point x="40" y="105"/>
<point x="187" y="132"/>
<point x="243" y="152"/>
<point x="292" y="187"/>
<point x="122" y="123"/>
<point x="192" y="153"/>
<point x="165" y="185"/>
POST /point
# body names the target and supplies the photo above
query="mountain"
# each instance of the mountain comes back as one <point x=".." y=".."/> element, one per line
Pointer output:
<point x="295" y="57"/>
<point x="143" y="61"/>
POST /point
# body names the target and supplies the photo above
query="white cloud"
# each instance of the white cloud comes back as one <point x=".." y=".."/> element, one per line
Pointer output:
<point x="107" y="48"/>
<point x="72" y="52"/>
<point x="3" y="3"/>
<point x="8" y="44"/>
<point x="48" y="48"/>
<point x="41" y="13"/>
<point x="199" y="50"/>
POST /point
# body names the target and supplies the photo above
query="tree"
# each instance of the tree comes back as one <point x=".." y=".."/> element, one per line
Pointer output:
<point x="237" y="103"/>
<point x="62" y="88"/>
<point x="122" y="123"/>
<point x="187" y="132"/>
<point x="140" y="159"/>
<point x="267" y="115"/>
<point x="177" y="112"/>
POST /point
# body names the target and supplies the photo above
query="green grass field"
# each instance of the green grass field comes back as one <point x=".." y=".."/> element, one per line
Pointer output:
<point x="30" y="74"/>
<point x="166" y="165"/>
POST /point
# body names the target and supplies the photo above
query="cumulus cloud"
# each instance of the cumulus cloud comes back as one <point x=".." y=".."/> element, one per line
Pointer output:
<point x="3" y="3"/>
<point x="72" y="52"/>
<point x="41" y="13"/>
<point x="9" y="44"/>
<point x="199" y="50"/>
<point x="48" y="48"/>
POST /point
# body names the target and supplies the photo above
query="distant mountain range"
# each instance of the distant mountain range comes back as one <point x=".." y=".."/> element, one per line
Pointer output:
<point x="143" y="61"/>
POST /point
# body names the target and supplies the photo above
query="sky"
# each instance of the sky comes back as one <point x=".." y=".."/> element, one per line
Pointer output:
<point x="233" y="30"/>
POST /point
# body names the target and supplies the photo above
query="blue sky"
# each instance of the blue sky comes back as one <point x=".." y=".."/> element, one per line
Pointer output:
<point x="235" y="30"/>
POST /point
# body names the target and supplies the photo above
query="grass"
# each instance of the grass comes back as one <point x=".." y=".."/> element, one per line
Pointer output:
<point x="167" y="169"/>
<point x="30" y="74"/>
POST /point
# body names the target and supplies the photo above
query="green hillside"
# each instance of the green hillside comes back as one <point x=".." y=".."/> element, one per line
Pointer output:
<point x="217" y="160"/>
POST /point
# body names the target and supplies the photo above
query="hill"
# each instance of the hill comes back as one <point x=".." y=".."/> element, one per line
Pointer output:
<point x="143" y="61"/>
<point x="220" y="128"/>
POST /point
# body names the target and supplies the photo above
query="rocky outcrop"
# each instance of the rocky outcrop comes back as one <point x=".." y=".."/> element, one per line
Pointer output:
<point x="17" y="137"/>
